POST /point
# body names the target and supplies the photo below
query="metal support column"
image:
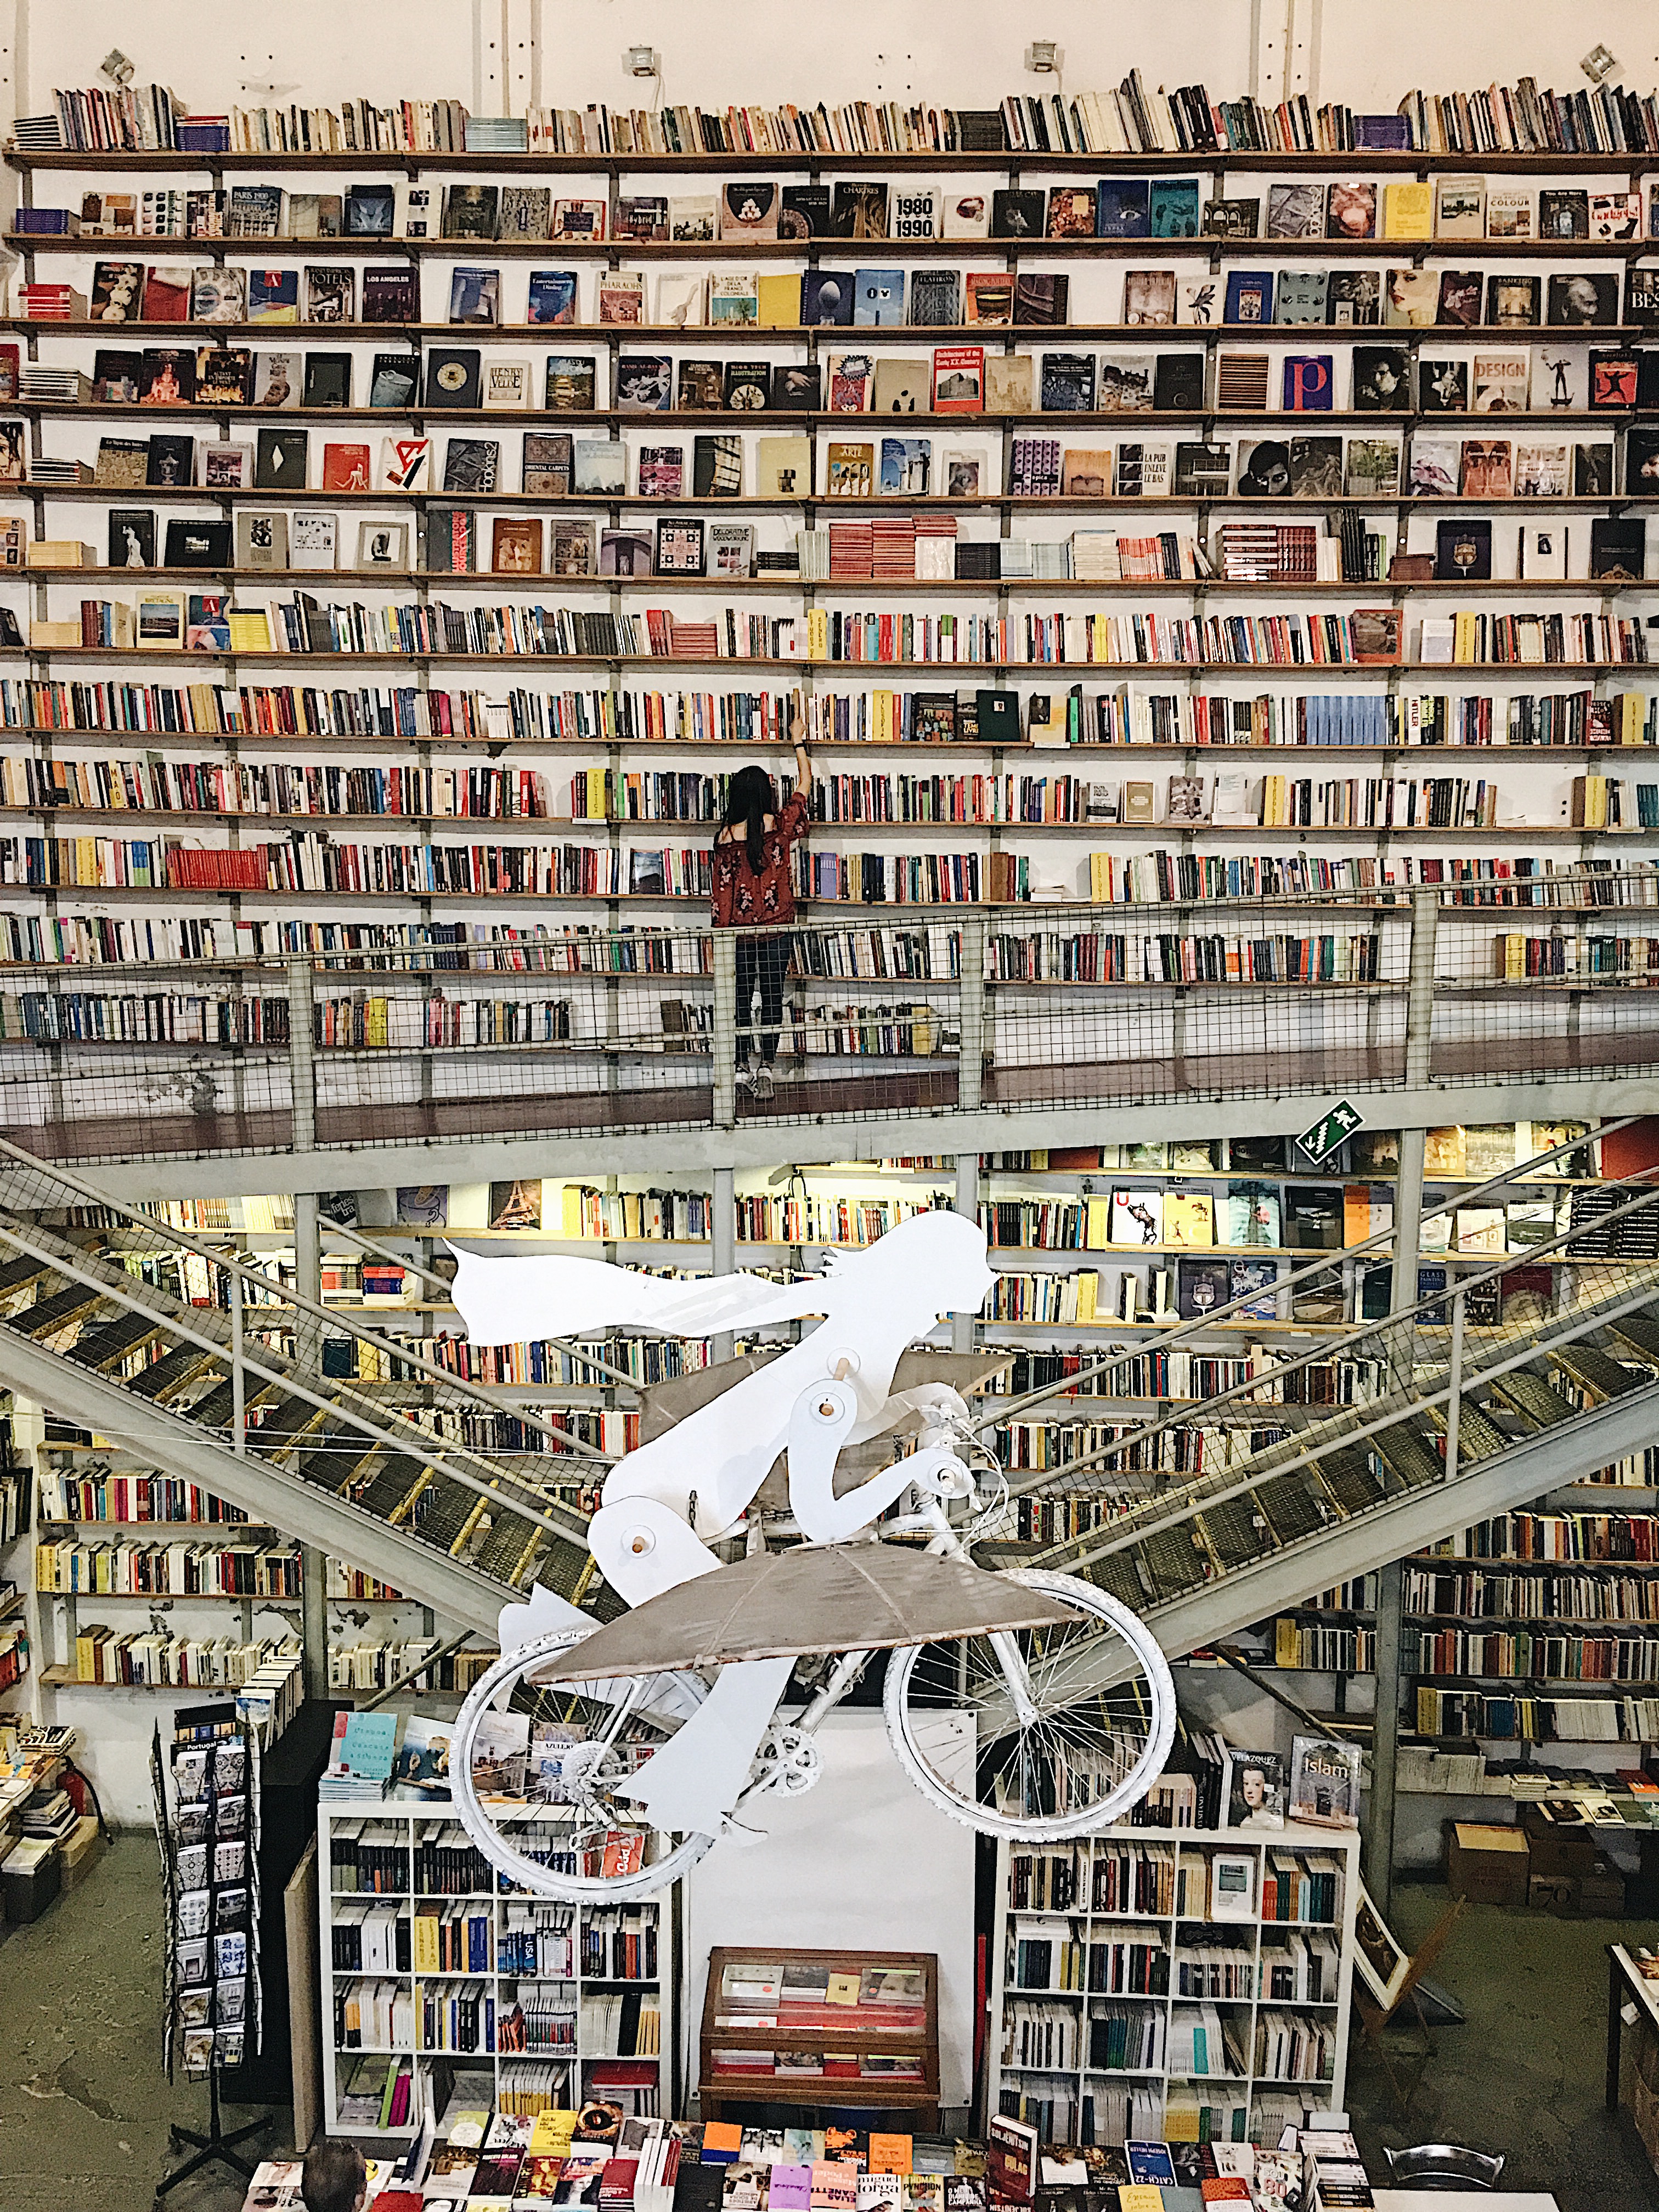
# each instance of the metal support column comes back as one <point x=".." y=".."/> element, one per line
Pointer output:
<point x="723" y="1229"/>
<point x="1385" y="1737"/>
<point x="313" y="1618"/>
<point x="967" y="1202"/>
<point x="307" y="1278"/>
<point x="723" y="1044"/>
<point x="971" y="1013"/>
<point x="1407" y="1245"/>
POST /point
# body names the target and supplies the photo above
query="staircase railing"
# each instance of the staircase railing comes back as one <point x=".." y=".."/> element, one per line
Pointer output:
<point x="222" y="1316"/>
<point x="892" y="1012"/>
<point x="1602" y="1290"/>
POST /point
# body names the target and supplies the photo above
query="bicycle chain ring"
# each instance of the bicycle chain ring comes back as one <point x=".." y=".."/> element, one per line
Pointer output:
<point x="787" y="1763"/>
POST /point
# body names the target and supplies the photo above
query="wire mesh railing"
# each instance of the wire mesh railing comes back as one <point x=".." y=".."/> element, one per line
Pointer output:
<point x="396" y="1437"/>
<point x="890" y="1013"/>
<point x="1424" y="1360"/>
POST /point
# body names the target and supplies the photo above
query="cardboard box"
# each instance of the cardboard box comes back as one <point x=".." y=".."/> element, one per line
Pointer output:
<point x="1488" y="1865"/>
<point x="1552" y="1892"/>
<point x="27" y="1895"/>
<point x="81" y="1850"/>
<point x="1601" y="1892"/>
<point x="59" y="553"/>
<point x="1553" y="1850"/>
<point x="44" y="634"/>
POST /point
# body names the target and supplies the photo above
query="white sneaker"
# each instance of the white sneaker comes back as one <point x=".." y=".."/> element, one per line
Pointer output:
<point x="761" y="1081"/>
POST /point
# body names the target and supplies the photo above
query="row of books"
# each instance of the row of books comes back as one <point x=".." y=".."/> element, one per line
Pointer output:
<point x="1124" y="118"/>
<point x="1507" y="1718"/>
<point x="213" y="621"/>
<point x="123" y="1569"/>
<point x="154" y="1658"/>
<point x="761" y="717"/>
<point x="1258" y="471"/>
<point x="752" y="210"/>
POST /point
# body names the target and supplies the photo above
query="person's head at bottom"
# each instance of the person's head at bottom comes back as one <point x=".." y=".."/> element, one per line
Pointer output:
<point x="334" y="2177"/>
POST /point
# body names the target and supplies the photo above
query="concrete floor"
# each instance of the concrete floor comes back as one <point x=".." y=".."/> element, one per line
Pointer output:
<point x="84" y="2105"/>
<point x="85" y="2109"/>
<point x="1526" y="2075"/>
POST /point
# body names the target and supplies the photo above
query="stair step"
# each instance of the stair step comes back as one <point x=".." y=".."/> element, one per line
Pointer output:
<point x="17" y="1274"/>
<point x="508" y="1545"/>
<point x="1478" y="1437"/>
<point x="1174" y="1559"/>
<point x="336" y="1458"/>
<point x="47" y="1315"/>
<point x="447" y="1519"/>
<point x="170" y="1372"/>
<point x="1114" y="1574"/>
<point x="1640" y="1331"/>
<point x="1288" y="1507"/>
<point x="1235" y="1531"/>
<point x="216" y="1408"/>
<point x="391" y="1492"/>
<point x="1404" y="1452"/>
<point x="103" y="1345"/>
<point x="1349" y="1476"/>
<point x="1533" y="1398"/>
<point x="290" y="1419"/>
<point x="1596" y="1371"/>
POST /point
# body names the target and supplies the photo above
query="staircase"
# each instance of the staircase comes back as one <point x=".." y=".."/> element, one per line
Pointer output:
<point x="1460" y="1423"/>
<point x="1468" y="1422"/>
<point x="190" y="1385"/>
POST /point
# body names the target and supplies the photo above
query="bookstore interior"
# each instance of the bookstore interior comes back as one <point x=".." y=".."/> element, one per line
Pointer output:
<point x="1126" y="1778"/>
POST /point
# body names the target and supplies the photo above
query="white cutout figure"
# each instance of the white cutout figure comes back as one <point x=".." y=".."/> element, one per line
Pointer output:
<point x="664" y="1503"/>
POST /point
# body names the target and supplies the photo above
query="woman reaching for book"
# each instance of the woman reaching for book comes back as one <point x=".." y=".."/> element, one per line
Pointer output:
<point x="753" y="891"/>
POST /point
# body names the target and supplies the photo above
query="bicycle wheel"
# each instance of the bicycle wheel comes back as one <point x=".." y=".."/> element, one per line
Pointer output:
<point x="1072" y="1723"/>
<point x="609" y="1729"/>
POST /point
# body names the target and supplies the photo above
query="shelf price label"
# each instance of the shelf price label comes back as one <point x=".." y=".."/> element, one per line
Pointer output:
<point x="1340" y="1121"/>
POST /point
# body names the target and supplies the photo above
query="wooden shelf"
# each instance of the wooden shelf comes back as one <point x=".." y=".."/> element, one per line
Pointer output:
<point x="103" y="410"/>
<point x="861" y="250"/>
<point x="65" y="1678"/>
<point x="841" y="335"/>
<point x="867" y="587"/>
<point x="1210" y="159"/>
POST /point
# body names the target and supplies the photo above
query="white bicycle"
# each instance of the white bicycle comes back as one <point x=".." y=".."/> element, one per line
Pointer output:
<point x="1072" y="1705"/>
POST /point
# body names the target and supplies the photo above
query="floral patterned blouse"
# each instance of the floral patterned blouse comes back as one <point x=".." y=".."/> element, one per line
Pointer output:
<point x="741" y="898"/>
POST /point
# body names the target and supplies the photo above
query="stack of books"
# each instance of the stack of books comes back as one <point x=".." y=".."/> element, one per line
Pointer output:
<point x="359" y="1764"/>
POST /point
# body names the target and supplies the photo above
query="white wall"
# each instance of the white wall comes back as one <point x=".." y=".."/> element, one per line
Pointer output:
<point x="862" y="1860"/>
<point x="968" y="52"/>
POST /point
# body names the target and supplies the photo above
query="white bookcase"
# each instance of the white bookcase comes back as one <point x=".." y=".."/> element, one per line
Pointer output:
<point x="1063" y="2082"/>
<point x="584" y="2004"/>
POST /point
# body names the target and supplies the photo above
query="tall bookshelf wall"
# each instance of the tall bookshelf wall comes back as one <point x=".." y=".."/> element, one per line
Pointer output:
<point x="1034" y="828"/>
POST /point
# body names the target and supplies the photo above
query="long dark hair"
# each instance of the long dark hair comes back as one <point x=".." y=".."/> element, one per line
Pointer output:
<point x="750" y="800"/>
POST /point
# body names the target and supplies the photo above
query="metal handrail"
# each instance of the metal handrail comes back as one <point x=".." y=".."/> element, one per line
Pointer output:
<point x="234" y="1265"/>
<point x="1186" y="1331"/>
<point x="123" y="1290"/>
<point x="1177" y="1504"/>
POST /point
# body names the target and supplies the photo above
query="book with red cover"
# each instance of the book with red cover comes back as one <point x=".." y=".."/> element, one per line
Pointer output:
<point x="345" y="468"/>
<point x="167" y="300"/>
<point x="1011" y="2158"/>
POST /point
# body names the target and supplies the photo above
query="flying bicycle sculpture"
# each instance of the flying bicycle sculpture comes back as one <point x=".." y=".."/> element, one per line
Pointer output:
<point x="672" y="1708"/>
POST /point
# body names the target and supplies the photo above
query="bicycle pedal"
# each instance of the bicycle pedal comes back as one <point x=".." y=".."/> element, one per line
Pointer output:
<point x="743" y="1837"/>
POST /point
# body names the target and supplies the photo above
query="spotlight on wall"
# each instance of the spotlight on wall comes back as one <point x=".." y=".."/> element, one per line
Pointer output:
<point x="1043" y="57"/>
<point x="642" y="61"/>
<point x="1598" y="64"/>
<point x="116" y="67"/>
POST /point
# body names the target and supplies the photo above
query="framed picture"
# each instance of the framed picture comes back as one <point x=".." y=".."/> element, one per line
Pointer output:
<point x="1378" y="1960"/>
<point x="383" y="544"/>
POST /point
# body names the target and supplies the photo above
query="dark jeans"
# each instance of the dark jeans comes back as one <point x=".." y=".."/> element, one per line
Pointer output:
<point x="762" y="963"/>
